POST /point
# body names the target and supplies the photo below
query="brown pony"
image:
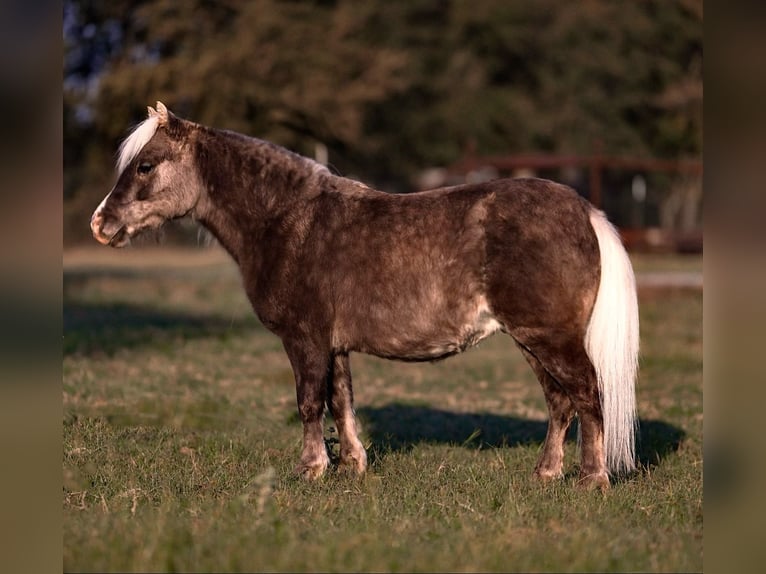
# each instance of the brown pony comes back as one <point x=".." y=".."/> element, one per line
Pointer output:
<point x="332" y="266"/>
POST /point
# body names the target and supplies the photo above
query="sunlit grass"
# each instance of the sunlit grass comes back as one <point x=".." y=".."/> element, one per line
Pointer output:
<point x="180" y="436"/>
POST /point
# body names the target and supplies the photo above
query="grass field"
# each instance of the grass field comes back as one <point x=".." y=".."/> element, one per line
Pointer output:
<point x="180" y="433"/>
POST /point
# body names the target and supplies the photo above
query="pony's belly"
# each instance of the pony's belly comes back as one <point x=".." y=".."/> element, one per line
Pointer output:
<point x="436" y="339"/>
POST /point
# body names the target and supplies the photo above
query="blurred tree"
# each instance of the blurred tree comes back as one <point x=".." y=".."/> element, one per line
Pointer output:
<point x="389" y="87"/>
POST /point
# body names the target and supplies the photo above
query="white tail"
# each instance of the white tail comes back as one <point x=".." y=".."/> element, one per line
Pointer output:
<point x="612" y="341"/>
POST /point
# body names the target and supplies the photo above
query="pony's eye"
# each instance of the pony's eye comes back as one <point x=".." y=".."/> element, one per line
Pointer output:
<point x="144" y="168"/>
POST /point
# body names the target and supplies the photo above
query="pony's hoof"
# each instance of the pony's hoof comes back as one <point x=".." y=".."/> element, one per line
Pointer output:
<point x="310" y="471"/>
<point x="546" y="476"/>
<point x="598" y="480"/>
<point x="353" y="463"/>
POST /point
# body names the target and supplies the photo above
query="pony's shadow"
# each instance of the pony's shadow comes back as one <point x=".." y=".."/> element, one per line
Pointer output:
<point x="400" y="427"/>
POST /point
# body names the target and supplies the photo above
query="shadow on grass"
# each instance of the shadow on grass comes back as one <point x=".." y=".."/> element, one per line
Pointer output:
<point x="105" y="327"/>
<point x="399" y="427"/>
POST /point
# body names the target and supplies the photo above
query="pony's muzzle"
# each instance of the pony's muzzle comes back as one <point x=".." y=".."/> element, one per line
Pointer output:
<point x="97" y="228"/>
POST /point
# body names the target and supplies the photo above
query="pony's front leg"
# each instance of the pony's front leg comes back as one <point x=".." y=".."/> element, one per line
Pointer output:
<point x="341" y="401"/>
<point x="311" y="367"/>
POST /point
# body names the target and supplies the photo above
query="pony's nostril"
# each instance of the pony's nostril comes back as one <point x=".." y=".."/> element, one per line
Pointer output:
<point x="95" y="222"/>
<point x="96" y="225"/>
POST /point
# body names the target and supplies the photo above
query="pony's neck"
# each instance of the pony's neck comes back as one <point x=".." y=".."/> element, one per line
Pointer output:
<point x="248" y="183"/>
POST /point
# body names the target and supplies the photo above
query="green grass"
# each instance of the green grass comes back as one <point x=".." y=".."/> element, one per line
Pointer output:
<point x="180" y="436"/>
<point x="666" y="262"/>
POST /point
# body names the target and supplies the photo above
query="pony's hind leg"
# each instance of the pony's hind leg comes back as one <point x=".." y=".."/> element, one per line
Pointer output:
<point x="340" y="399"/>
<point x="565" y="359"/>
<point x="561" y="411"/>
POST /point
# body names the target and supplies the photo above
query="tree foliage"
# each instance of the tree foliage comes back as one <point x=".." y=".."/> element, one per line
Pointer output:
<point x="389" y="87"/>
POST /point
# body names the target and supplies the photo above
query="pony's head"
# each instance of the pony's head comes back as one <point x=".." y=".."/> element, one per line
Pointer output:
<point x="157" y="180"/>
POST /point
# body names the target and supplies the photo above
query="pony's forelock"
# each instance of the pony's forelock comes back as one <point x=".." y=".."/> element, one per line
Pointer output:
<point x="135" y="142"/>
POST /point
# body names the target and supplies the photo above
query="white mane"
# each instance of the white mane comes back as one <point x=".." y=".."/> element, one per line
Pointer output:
<point x="135" y="142"/>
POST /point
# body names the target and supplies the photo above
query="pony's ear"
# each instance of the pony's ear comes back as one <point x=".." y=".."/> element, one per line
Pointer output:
<point x="162" y="114"/>
<point x="151" y="111"/>
<point x="166" y="119"/>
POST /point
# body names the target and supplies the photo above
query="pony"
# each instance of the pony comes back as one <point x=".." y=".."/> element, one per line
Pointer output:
<point x="332" y="267"/>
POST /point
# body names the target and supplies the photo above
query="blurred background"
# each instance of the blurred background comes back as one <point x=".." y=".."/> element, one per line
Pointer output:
<point x="603" y="96"/>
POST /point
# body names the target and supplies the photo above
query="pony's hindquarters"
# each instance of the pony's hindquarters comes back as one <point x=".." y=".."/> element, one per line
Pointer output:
<point x="612" y="341"/>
